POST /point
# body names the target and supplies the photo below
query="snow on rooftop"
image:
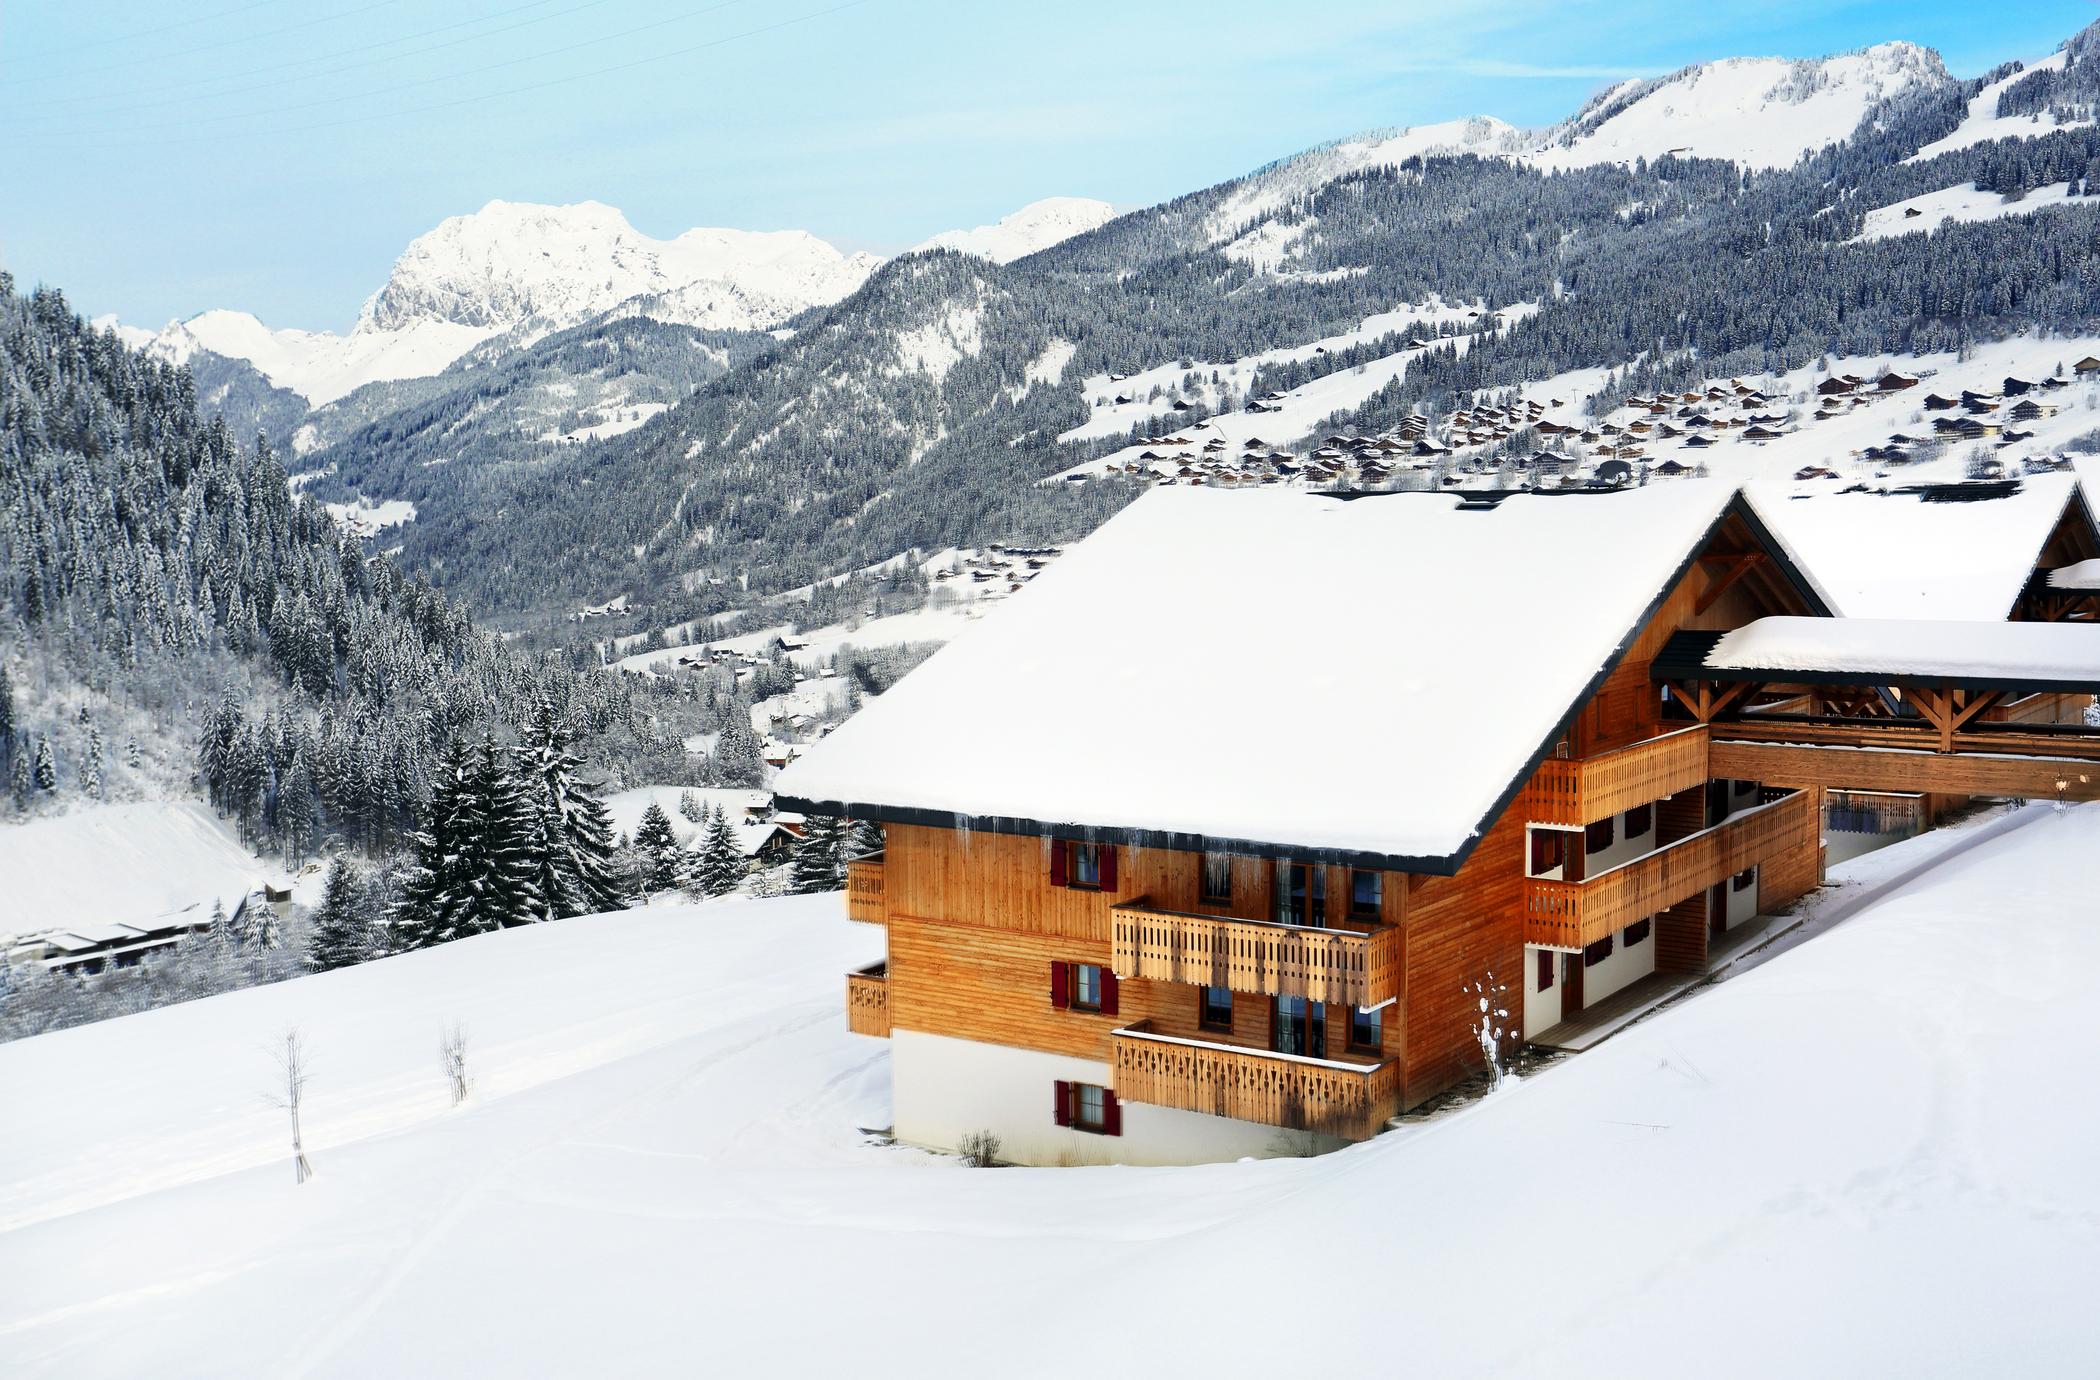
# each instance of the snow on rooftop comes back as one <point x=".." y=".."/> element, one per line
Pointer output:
<point x="1877" y="555"/>
<point x="2028" y="653"/>
<point x="1275" y="667"/>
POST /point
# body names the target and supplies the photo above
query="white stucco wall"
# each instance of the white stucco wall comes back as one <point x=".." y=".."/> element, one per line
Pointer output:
<point x="1742" y="904"/>
<point x="1625" y="966"/>
<point x="943" y="1088"/>
<point x="1541" y="1009"/>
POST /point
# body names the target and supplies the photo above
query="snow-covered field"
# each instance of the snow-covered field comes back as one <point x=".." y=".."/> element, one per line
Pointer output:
<point x="1964" y="205"/>
<point x="1867" y="1156"/>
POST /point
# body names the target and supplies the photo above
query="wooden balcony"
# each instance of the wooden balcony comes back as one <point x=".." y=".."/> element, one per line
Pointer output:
<point x="1571" y="915"/>
<point x="1584" y="790"/>
<point x="1347" y="1100"/>
<point x="864" y="894"/>
<point x="1358" y="965"/>
<point x="868" y="1001"/>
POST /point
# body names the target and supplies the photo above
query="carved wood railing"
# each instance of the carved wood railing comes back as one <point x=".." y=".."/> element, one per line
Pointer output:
<point x="1579" y="791"/>
<point x="1570" y="915"/>
<point x="864" y="894"/>
<point x="1357" y="966"/>
<point x="1345" y="1100"/>
<point x="868" y="1001"/>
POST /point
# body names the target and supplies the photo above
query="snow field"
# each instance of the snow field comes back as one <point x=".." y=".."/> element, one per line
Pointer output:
<point x="1857" y="1158"/>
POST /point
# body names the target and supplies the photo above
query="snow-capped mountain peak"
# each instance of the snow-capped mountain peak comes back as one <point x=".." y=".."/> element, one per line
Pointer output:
<point x="514" y="262"/>
<point x="1033" y="228"/>
<point x="1759" y="112"/>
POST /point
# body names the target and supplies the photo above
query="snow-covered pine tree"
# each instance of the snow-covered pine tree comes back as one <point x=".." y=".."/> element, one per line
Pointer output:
<point x="45" y="773"/>
<point x="736" y="759"/>
<point x="499" y="888"/>
<point x="91" y="765"/>
<point x="7" y="720"/>
<point x="863" y="839"/>
<point x="721" y="859"/>
<point x="420" y="915"/>
<point x="343" y="932"/>
<point x="689" y="805"/>
<point x="578" y="868"/>
<point x="817" y="866"/>
<point x="663" y="861"/>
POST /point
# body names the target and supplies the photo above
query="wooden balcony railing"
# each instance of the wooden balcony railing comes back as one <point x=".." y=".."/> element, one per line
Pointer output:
<point x="1345" y="1100"/>
<point x="868" y="1001"/>
<point x="864" y="895"/>
<point x="1360" y="966"/>
<point x="1571" y="915"/>
<point x="1584" y="790"/>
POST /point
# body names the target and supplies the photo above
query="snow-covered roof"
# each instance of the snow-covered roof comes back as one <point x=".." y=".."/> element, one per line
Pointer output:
<point x="2039" y="656"/>
<point x="1274" y="668"/>
<point x="1898" y="556"/>
<point x="2083" y="575"/>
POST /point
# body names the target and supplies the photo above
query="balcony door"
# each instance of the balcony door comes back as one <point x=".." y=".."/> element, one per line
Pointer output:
<point x="1299" y="1026"/>
<point x="1301" y="895"/>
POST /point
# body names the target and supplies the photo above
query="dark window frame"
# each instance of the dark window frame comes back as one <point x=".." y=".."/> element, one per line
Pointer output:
<point x="1078" y="1001"/>
<point x="1637" y="932"/>
<point x="1644" y="815"/>
<point x="1205" y="1017"/>
<point x="1376" y="909"/>
<point x="1744" y="880"/>
<point x="1074" y="851"/>
<point x="1079" y="1121"/>
<point x="1596" y="953"/>
<point x="1203" y="891"/>
<point x="1376" y="1017"/>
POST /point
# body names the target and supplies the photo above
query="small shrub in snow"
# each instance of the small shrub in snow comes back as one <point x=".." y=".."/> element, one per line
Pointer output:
<point x="979" y="1150"/>
<point x="452" y="1057"/>
<point x="1488" y="996"/>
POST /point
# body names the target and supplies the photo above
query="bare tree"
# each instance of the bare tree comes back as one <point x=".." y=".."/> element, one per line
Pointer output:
<point x="1489" y="995"/>
<point x="452" y="1056"/>
<point x="979" y="1149"/>
<point x="290" y="1094"/>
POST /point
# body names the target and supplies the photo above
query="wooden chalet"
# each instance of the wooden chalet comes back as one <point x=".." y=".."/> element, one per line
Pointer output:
<point x="1136" y="912"/>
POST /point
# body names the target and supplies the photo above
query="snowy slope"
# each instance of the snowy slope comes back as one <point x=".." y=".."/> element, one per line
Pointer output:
<point x="322" y="366"/>
<point x="1851" y="1160"/>
<point x="1964" y="205"/>
<point x="1983" y="123"/>
<point x="1033" y="228"/>
<point x="1268" y="191"/>
<point x="1758" y="112"/>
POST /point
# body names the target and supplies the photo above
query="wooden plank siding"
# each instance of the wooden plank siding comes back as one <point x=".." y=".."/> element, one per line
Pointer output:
<point x="1460" y="929"/>
<point x="1923" y="773"/>
<point x="864" y="891"/>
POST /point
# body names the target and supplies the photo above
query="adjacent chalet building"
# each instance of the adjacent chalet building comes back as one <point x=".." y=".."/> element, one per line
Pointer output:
<point x="1213" y="832"/>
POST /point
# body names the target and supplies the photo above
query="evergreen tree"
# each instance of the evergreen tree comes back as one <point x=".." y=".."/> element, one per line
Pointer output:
<point x="45" y="773"/>
<point x="343" y="932"/>
<point x="91" y="765"/>
<point x="577" y="870"/>
<point x="721" y="865"/>
<point x="421" y="914"/>
<point x="7" y="720"/>
<point x="817" y="864"/>
<point x="689" y="805"/>
<point x="497" y="889"/>
<point x="663" y="861"/>
<point x="736" y="759"/>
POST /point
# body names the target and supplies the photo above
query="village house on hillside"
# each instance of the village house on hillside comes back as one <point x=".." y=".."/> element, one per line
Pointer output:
<point x="1145" y="904"/>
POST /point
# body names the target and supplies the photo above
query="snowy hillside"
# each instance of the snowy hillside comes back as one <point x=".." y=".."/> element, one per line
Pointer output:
<point x="1758" y="112"/>
<point x="1033" y="228"/>
<point x="664" y="1143"/>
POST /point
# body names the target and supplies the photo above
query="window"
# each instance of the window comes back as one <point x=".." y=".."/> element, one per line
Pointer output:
<point x="1083" y="987"/>
<point x="1745" y="880"/>
<point x="1366" y="1029"/>
<point x="1217" y="879"/>
<point x="1214" y="1008"/>
<point x="1597" y="837"/>
<point x="1084" y="867"/>
<point x="1366" y="893"/>
<point x="1087" y="1107"/>
<point x="1546" y="957"/>
<point x="1299" y="1026"/>
<point x="1636" y="932"/>
<point x="1301" y="895"/>
<point x="1549" y="849"/>
<point x="1086" y="987"/>
<point x="1597" y="952"/>
<point x="1639" y="820"/>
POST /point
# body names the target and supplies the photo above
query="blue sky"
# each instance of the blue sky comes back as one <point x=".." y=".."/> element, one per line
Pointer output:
<point x="275" y="155"/>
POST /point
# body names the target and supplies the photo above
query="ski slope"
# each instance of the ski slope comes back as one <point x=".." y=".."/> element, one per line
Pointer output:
<point x="1867" y="1156"/>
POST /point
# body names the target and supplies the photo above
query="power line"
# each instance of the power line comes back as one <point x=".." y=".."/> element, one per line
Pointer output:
<point x="202" y="47"/>
<point x="560" y="51"/>
<point x="35" y="113"/>
<point x="135" y="33"/>
<point x="520" y="90"/>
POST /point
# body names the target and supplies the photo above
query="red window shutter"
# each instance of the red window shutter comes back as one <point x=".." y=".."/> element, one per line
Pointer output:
<point x="1108" y="991"/>
<point x="1545" y="970"/>
<point x="1064" y="1103"/>
<point x="1060" y="986"/>
<point x="1111" y="1114"/>
<point x="1107" y="855"/>
<point x="1599" y="836"/>
<point x="1057" y="862"/>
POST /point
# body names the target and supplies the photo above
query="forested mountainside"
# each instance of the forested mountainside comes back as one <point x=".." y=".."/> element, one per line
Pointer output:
<point x="925" y="409"/>
<point x="173" y="614"/>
